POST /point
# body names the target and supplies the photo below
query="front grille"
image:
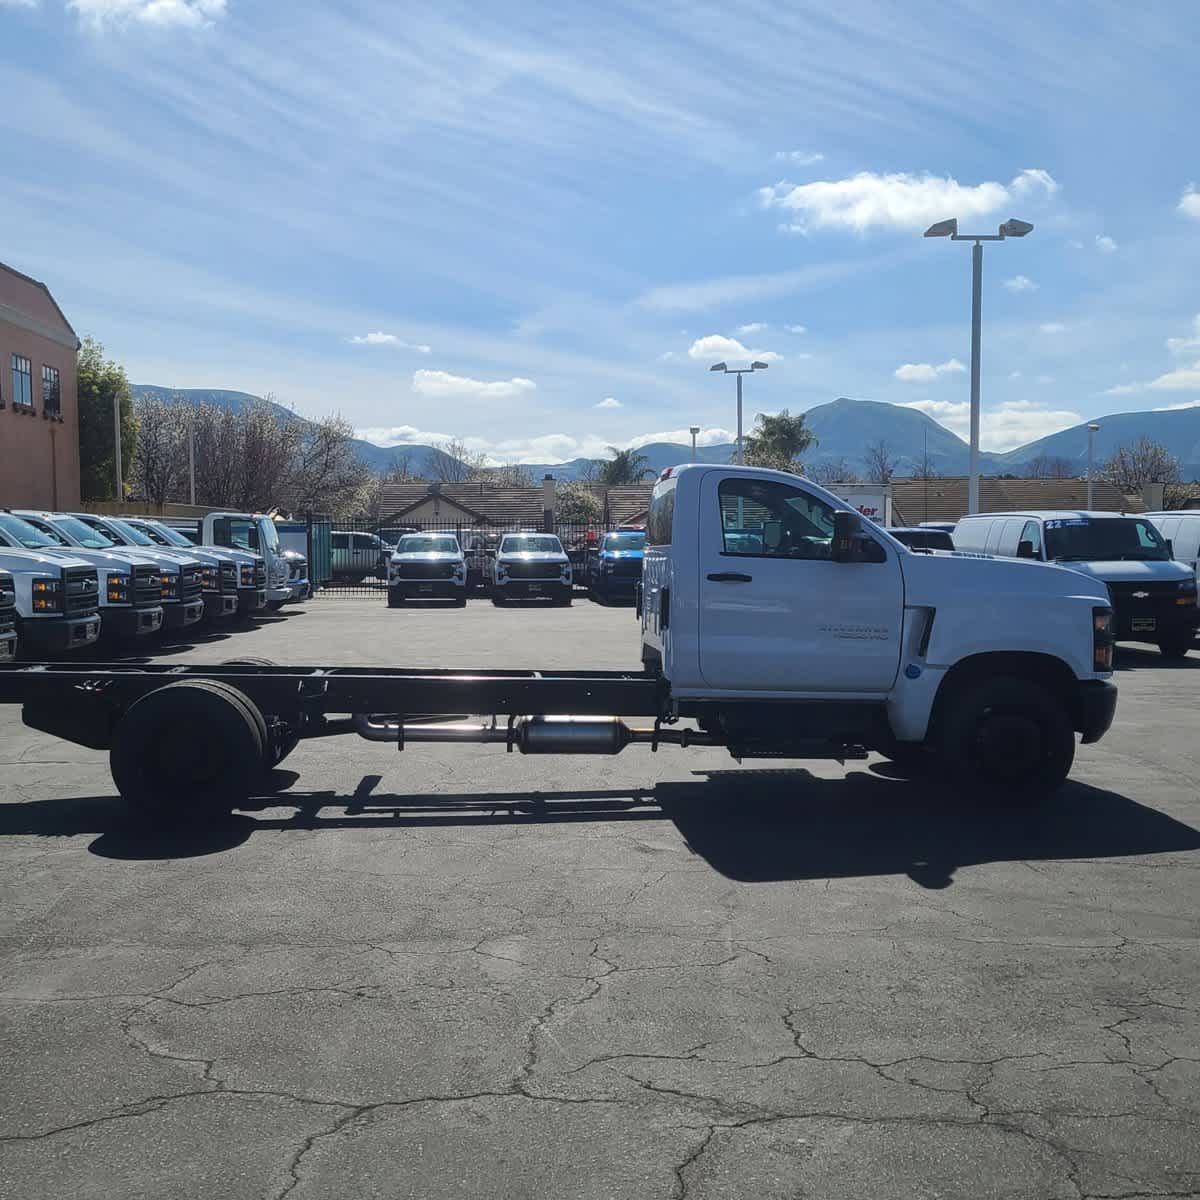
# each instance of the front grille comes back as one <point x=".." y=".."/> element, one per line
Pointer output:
<point x="192" y="581"/>
<point x="533" y="570"/>
<point x="627" y="568"/>
<point x="146" y="587"/>
<point x="1145" y="594"/>
<point x="81" y="590"/>
<point x="427" y="570"/>
<point x="297" y="568"/>
<point x="8" y="604"/>
<point x="229" y="578"/>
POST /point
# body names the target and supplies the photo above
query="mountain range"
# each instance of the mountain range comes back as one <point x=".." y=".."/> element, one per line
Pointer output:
<point x="844" y="428"/>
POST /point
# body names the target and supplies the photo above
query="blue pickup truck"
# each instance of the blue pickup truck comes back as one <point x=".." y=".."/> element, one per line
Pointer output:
<point x="614" y="567"/>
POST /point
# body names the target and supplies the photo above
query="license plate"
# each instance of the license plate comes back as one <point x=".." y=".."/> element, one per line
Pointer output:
<point x="425" y="587"/>
<point x="1143" y="624"/>
<point x="535" y="587"/>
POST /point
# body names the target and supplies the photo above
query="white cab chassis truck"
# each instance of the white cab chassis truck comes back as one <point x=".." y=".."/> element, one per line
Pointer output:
<point x="775" y="622"/>
<point x="49" y="602"/>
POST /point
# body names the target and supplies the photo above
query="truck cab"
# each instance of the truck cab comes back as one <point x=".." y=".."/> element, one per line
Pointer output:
<point x="529" y="565"/>
<point x="131" y="585"/>
<point x="427" y="566"/>
<point x="356" y="556"/>
<point x="56" y="596"/>
<point x="774" y="611"/>
<point x="217" y="571"/>
<point x="1153" y="597"/>
<point x="614" y="567"/>
<point x="256" y="533"/>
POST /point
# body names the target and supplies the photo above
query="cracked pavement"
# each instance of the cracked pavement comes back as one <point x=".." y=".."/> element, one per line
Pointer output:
<point x="456" y="972"/>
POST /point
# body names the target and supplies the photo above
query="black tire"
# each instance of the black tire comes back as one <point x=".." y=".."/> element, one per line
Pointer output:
<point x="1010" y="738"/>
<point x="279" y="737"/>
<point x="912" y="757"/>
<point x="460" y="601"/>
<point x="1176" y="646"/>
<point x="187" y="751"/>
<point x="564" y="601"/>
<point x="275" y="605"/>
<point x="497" y="599"/>
<point x="395" y="598"/>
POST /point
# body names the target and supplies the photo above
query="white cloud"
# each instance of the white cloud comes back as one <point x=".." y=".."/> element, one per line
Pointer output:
<point x="1020" y="283"/>
<point x="1105" y="244"/>
<point x="400" y="435"/>
<point x="753" y="327"/>
<point x="896" y="201"/>
<point x="925" y="372"/>
<point x="608" y="402"/>
<point x="798" y="158"/>
<point x="716" y="347"/>
<point x="1177" y="407"/>
<point x="1186" y="345"/>
<point x="1182" y="379"/>
<point x="1010" y="424"/>
<point x="441" y="385"/>
<point x="1189" y="202"/>
<point x="1052" y="327"/>
<point x="796" y="328"/>
<point x="713" y="436"/>
<point x="190" y="14"/>
<point x="389" y="339"/>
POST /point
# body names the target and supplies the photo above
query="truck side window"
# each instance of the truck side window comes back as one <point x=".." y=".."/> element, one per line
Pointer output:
<point x="340" y="541"/>
<point x="764" y="518"/>
<point x="1032" y="533"/>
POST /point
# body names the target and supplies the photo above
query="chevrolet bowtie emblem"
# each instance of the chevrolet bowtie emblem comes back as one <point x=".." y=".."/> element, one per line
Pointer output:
<point x="1141" y="595"/>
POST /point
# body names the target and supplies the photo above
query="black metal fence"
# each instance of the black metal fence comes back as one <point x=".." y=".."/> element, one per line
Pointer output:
<point x="349" y="557"/>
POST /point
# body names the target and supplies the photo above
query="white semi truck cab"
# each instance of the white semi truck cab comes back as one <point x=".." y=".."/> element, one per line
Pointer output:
<point x="775" y="622"/>
<point x="256" y="533"/>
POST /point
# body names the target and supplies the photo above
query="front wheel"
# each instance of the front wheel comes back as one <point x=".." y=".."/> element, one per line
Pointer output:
<point x="395" y="598"/>
<point x="497" y="597"/>
<point x="1176" y="645"/>
<point x="1010" y="737"/>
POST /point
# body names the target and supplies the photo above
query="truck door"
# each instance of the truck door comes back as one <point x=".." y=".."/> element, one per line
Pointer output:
<point x="775" y="613"/>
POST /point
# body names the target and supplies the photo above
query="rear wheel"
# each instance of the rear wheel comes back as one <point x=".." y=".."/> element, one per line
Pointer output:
<point x="1176" y="645"/>
<point x="280" y="737"/>
<point x="187" y="751"/>
<point x="1011" y="737"/>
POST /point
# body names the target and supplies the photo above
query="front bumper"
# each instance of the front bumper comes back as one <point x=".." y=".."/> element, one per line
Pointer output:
<point x="219" y="605"/>
<point x="612" y="585"/>
<point x="300" y="589"/>
<point x="132" y="622"/>
<point x="431" y="589"/>
<point x="54" y="634"/>
<point x="535" y="587"/>
<point x="1154" y="622"/>
<point x="1097" y="702"/>
<point x="251" y="599"/>
<point x="8" y="646"/>
<point x="180" y="614"/>
<point x="279" y="595"/>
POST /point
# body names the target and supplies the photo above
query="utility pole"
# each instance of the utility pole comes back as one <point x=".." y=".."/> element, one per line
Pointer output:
<point x="191" y="466"/>
<point x="117" y="443"/>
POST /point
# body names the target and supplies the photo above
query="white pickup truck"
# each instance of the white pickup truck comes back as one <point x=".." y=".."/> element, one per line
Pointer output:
<point x="775" y="622"/>
<point x="56" y="597"/>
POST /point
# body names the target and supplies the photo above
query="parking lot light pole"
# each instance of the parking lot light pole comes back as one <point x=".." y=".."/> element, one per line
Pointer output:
<point x="1011" y="228"/>
<point x="739" y="372"/>
<point x="1092" y="430"/>
<point x="693" y="430"/>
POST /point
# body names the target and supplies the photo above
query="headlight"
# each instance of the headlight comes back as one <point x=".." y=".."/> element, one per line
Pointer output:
<point x="1188" y="586"/>
<point x="209" y="579"/>
<point x="47" y="595"/>
<point x="118" y="588"/>
<point x="1102" y="639"/>
<point x="247" y="574"/>
<point x="167" y="588"/>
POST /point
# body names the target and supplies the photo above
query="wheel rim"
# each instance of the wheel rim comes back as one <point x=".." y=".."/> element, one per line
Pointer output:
<point x="1008" y="744"/>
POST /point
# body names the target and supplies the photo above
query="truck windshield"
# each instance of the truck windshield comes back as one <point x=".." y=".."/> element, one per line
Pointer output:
<point x="1080" y="539"/>
<point x="27" y="536"/>
<point x="624" y="541"/>
<point x="164" y="535"/>
<point x="531" y="545"/>
<point x="427" y="545"/>
<point x="135" y="535"/>
<point x="81" y="534"/>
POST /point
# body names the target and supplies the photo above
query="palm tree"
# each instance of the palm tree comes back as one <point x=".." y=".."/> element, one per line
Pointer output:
<point x="625" y="466"/>
<point x="777" y="441"/>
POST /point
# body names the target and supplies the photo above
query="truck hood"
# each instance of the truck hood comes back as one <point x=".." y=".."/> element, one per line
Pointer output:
<point x="1122" y="571"/>
<point x="116" y="560"/>
<point x="613" y="555"/>
<point x="19" y="561"/>
<point x="433" y="556"/>
<point x="934" y="579"/>
<point x="531" y="557"/>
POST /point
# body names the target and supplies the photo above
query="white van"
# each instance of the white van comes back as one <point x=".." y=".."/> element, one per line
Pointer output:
<point x="1154" y="598"/>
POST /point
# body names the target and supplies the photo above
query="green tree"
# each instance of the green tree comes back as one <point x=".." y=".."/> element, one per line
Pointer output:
<point x="778" y="441"/>
<point x="625" y="466"/>
<point x="103" y="383"/>
<point x="576" y="504"/>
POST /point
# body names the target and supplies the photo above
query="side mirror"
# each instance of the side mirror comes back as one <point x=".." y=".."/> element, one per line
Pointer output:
<point x="1025" y="550"/>
<point x="847" y="530"/>
<point x="1170" y="548"/>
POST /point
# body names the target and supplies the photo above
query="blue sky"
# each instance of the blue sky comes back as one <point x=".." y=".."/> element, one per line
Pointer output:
<point x="532" y="225"/>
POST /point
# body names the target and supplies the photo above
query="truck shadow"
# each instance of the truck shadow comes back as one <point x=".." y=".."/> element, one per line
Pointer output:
<point x="752" y="826"/>
<point x="1138" y="658"/>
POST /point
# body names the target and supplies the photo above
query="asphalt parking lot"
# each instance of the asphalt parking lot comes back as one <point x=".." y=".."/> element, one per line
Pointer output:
<point x="455" y="972"/>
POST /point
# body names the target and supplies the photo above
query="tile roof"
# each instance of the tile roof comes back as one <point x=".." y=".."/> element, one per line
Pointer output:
<point x="917" y="500"/>
<point x="509" y="506"/>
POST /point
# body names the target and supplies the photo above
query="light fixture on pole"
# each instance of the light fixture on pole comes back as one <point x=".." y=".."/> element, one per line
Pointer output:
<point x="1010" y="229"/>
<point x="739" y="372"/>
<point x="1092" y="431"/>
<point x="693" y="430"/>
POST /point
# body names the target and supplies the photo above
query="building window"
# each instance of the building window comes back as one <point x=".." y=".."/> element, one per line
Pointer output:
<point x="22" y="382"/>
<point x="51" y="393"/>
